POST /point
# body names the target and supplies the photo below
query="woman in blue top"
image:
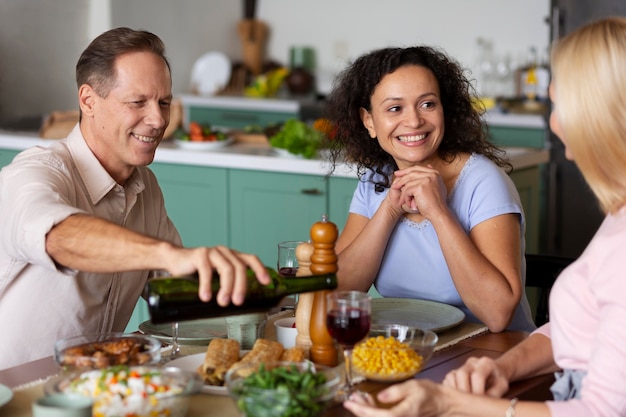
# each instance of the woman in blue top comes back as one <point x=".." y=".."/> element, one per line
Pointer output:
<point x="434" y="216"/>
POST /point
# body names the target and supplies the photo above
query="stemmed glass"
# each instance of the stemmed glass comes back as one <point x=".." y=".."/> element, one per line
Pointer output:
<point x="175" y="346"/>
<point x="348" y="319"/>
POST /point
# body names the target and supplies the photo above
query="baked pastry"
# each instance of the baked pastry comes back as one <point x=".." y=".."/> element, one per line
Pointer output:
<point x="293" y="354"/>
<point x="221" y="354"/>
<point x="263" y="350"/>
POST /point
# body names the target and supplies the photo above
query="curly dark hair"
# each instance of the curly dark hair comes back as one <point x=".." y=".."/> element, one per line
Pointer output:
<point x="465" y="131"/>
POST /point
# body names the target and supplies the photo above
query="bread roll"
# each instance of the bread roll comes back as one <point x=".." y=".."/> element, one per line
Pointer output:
<point x="294" y="354"/>
<point x="221" y="354"/>
<point x="263" y="350"/>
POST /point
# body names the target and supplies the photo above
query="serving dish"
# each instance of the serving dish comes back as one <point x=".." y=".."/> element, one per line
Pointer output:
<point x="423" y="314"/>
<point x="191" y="363"/>
<point x="283" y="389"/>
<point x="203" y="145"/>
<point x="193" y="332"/>
<point x="140" y="391"/>
<point x="94" y="351"/>
<point x="393" y="352"/>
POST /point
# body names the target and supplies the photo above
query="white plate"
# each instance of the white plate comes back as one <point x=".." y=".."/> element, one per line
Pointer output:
<point x="203" y="146"/>
<point x="194" y="332"/>
<point x="286" y="154"/>
<point x="210" y="73"/>
<point x="5" y="394"/>
<point x="424" y="314"/>
<point x="192" y="362"/>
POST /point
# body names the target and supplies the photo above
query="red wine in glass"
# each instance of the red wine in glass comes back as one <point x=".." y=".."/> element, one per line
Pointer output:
<point x="348" y="326"/>
<point x="288" y="272"/>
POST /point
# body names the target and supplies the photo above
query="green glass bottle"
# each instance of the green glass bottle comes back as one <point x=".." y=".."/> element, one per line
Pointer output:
<point x="173" y="299"/>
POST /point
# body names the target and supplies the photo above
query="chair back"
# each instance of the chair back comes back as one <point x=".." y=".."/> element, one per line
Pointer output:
<point x="541" y="272"/>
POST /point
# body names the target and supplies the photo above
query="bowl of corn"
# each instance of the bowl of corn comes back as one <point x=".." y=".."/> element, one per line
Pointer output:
<point x="393" y="352"/>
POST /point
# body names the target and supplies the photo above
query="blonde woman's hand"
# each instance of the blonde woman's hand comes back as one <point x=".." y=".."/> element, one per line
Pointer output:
<point x="411" y="398"/>
<point x="478" y="376"/>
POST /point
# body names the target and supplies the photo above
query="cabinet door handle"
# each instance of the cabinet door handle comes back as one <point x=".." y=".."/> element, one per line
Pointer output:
<point x="311" y="191"/>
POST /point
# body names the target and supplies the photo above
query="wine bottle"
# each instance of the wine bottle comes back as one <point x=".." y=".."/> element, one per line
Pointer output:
<point x="173" y="299"/>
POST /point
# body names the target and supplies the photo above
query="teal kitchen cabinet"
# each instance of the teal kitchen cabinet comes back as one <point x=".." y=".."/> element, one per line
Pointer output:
<point x="271" y="207"/>
<point x="340" y="190"/>
<point x="196" y="200"/>
<point x="524" y="137"/>
<point x="6" y="156"/>
<point x="238" y="112"/>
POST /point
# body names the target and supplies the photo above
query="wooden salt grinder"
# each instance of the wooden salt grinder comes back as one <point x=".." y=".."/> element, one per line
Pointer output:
<point x="305" y="301"/>
<point x="323" y="261"/>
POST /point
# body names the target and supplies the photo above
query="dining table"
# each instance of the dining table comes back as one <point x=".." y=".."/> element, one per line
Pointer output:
<point x="454" y="347"/>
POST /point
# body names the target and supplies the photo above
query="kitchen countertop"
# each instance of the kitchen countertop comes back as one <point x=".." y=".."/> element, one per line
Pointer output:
<point x="255" y="157"/>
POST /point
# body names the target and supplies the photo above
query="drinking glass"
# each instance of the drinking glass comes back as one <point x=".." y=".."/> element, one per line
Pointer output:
<point x="348" y="319"/>
<point x="287" y="264"/>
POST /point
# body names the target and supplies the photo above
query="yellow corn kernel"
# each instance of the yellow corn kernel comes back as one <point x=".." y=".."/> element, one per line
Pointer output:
<point x="385" y="357"/>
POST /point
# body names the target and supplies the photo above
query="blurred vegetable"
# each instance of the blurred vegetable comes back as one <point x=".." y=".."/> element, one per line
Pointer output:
<point x="326" y="127"/>
<point x="267" y="85"/>
<point x="200" y="133"/>
<point x="298" y="138"/>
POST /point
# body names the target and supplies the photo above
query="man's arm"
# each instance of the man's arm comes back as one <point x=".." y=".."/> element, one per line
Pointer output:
<point x="93" y="244"/>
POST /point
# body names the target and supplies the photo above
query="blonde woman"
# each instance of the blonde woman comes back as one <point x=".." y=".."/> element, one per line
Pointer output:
<point x="585" y="342"/>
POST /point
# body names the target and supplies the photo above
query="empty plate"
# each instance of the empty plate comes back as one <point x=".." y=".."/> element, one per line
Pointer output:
<point x="210" y="73"/>
<point x="424" y="314"/>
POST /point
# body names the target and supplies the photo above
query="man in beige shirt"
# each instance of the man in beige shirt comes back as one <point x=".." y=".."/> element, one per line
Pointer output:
<point x="83" y="222"/>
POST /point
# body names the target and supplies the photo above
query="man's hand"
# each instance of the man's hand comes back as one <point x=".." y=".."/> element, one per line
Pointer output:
<point x="229" y="264"/>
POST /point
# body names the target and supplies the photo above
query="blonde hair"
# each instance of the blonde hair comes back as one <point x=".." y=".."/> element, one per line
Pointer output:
<point x="589" y="72"/>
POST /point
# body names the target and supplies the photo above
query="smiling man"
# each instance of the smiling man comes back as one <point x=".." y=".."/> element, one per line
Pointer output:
<point x="83" y="222"/>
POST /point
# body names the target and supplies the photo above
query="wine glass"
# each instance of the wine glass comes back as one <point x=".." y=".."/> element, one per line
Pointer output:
<point x="175" y="352"/>
<point x="348" y="319"/>
<point x="287" y="263"/>
<point x="175" y="346"/>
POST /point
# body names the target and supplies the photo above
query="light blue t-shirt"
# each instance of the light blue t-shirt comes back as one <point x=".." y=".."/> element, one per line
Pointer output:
<point x="414" y="266"/>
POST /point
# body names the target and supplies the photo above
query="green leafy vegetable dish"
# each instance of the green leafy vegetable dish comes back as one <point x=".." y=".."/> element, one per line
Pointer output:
<point x="283" y="389"/>
<point x="298" y="138"/>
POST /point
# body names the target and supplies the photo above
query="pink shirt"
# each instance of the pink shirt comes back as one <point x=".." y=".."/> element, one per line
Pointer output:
<point x="588" y="323"/>
<point x="40" y="302"/>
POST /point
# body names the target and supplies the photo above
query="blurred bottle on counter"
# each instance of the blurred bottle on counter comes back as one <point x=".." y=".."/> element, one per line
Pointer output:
<point x="174" y="299"/>
<point x="486" y="69"/>
<point x="534" y="78"/>
<point x="301" y="80"/>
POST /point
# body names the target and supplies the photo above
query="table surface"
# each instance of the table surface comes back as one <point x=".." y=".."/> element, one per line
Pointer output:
<point x="444" y="360"/>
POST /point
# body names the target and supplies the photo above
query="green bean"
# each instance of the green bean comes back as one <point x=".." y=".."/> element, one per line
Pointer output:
<point x="297" y="392"/>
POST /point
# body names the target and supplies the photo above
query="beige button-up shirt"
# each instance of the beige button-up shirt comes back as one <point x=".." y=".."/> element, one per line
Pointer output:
<point x="41" y="302"/>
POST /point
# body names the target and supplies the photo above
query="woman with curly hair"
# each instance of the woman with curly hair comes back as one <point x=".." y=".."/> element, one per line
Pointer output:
<point x="584" y="343"/>
<point x="435" y="215"/>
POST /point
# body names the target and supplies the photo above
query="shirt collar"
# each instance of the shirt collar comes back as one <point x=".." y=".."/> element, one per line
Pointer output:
<point x="97" y="180"/>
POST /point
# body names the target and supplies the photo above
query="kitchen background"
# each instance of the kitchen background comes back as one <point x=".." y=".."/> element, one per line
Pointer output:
<point x="41" y="41"/>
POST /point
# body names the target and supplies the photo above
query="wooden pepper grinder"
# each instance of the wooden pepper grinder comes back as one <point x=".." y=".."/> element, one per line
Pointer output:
<point x="323" y="261"/>
<point x="305" y="300"/>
